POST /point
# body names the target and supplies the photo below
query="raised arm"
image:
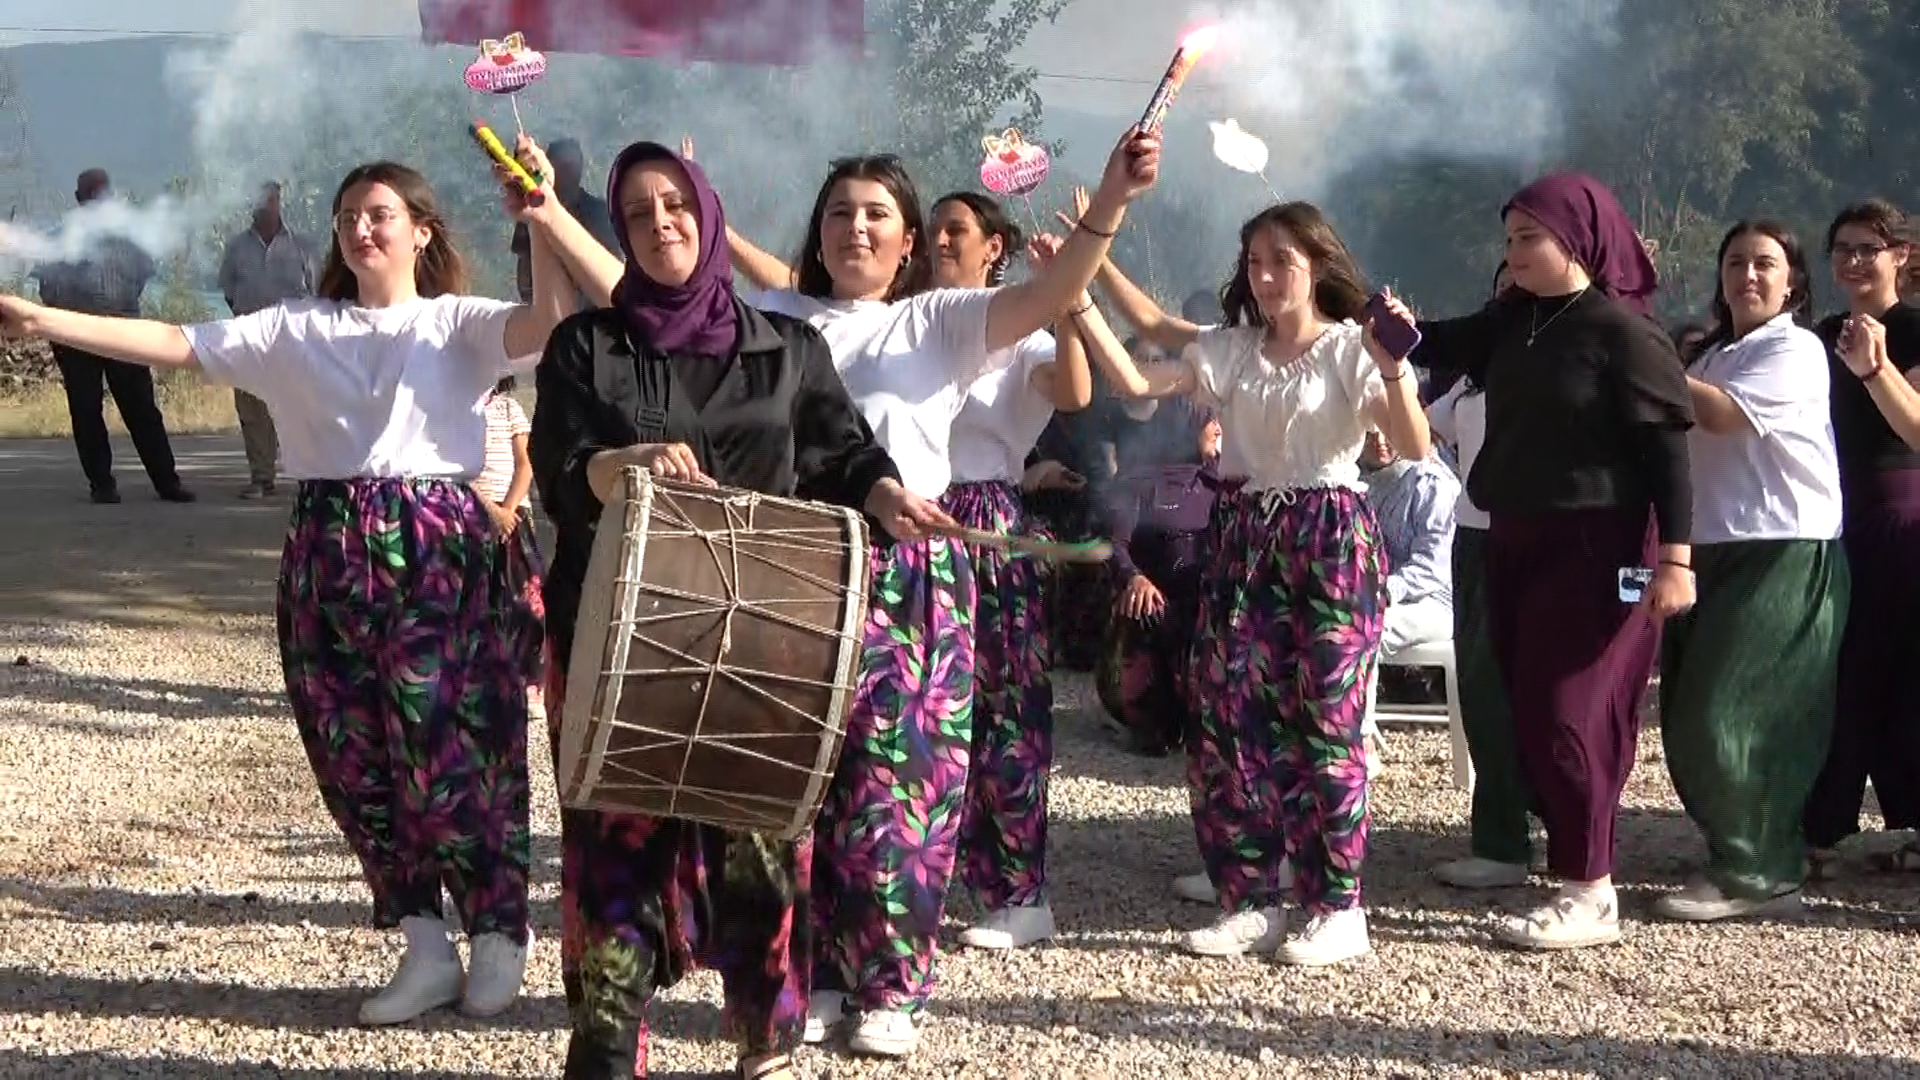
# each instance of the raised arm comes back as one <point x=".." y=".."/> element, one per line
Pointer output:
<point x="1019" y="310"/>
<point x="554" y="298"/>
<point x="137" y="341"/>
<point x="1399" y="413"/>
<point x="762" y="269"/>
<point x="592" y="268"/>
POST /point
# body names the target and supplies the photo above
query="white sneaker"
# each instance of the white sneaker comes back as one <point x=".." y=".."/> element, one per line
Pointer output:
<point x="1572" y="920"/>
<point x="1239" y="934"/>
<point x="1198" y="888"/>
<point x="1329" y="939"/>
<point x="885" y="1033"/>
<point x="495" y="970"/>
<point x="1011" y="928"/>
<point x="1195" y="889"/>
<point x="1702" y="901"/>
<point x="427" y="979"/>
<point x="1478" y="873"/>
<point x="826" y="1009"/>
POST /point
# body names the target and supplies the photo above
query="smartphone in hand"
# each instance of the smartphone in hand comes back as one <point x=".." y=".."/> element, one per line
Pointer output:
<point x="1633" y="583"/>
<point x="1397" y="337"/>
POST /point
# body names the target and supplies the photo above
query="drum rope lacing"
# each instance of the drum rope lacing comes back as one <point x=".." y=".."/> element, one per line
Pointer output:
<point x="740" y="520"/>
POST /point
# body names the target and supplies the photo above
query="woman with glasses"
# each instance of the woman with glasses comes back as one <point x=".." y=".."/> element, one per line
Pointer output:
<point x="1874" y="349"/>
<point x="404" y="645"/>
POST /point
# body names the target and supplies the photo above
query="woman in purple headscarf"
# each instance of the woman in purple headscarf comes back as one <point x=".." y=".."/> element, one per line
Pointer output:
<point x="751" y="402"/>
<point x="1584" y="474"/>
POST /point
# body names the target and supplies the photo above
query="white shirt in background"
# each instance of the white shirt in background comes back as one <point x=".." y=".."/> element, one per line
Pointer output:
<point x="1780" y="481"/>
<point x="505" y="420"/>
<point x="908" y="366"/>
<point x="1296" y="425"/>
<point x="1002" y="417"/>
<point x="399" y="391"/>
<point x="1459" y="416"/>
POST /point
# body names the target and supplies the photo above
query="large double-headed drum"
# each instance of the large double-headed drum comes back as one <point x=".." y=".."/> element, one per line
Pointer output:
<point x="715" y="657"/>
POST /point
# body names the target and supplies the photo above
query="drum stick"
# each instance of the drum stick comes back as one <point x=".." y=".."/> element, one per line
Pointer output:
<point x="1091" y="551"/>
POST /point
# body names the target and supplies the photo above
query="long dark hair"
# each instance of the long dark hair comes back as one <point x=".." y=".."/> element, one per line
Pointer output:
<point x="915" y="274"/>
<point x="1799" y="299"/>
<point x="1339" y="290"/>
<point x="438" y="270"/>
<point x="993" y="221"/>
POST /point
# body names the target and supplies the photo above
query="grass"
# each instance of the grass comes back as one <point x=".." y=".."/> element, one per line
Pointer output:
<point x="190" y="406"/>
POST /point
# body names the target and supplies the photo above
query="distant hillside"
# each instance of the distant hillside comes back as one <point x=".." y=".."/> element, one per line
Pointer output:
<point x="102" y="104"/>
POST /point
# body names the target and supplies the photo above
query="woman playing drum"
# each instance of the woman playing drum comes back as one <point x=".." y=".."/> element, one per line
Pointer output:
<point x="760" y="408"/>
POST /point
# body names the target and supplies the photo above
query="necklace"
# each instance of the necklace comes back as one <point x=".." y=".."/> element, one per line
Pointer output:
<point x="1533" y="314"/>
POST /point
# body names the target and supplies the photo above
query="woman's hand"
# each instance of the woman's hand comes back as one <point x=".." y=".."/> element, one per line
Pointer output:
<point x="1388" y="364"/>
<point x="514" y="197"/>
<point x="504" y="519"/>
<point x="1041" y="250"/>
<point x="1863" y="344"/>
<point x="906" y="517"/>
<point x="1131" y="169"/>
<point x="1671" y="592"/>
<point x="669" y="461"/>
<point x="1051" y="476"/>
<point x="1080" y="204"/>
<point x="1142" y="601"/>
<point x="18" y="317"/>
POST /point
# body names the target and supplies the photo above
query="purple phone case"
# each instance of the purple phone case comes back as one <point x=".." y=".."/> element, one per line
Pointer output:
<point x="1396" y="337"/>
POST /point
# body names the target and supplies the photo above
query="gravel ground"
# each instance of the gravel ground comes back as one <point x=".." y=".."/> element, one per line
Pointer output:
<point x="173" y="901"/>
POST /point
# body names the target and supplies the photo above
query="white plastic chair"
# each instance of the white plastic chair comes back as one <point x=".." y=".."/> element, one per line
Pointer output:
<point x="1430" y="654"/>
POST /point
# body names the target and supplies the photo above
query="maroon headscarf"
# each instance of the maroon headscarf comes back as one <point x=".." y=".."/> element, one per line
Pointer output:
<point x="1587" y="220"/>
<point x="696" y="317"/>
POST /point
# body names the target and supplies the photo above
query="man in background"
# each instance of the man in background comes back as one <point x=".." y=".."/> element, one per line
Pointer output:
<point x="569" y="165"/>
<point x="264" y="264"/>
<point x="108" y="282"/>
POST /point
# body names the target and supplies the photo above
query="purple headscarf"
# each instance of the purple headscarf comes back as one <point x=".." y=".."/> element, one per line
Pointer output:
<point x="1587" y="220"/>
<point x="696" y="317"/>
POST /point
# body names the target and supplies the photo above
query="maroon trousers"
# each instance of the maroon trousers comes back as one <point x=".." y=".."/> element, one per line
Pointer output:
<point x="1575" y="660"/>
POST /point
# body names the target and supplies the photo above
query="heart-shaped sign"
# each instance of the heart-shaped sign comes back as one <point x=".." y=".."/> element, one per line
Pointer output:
<point x="506" y="66"/>
<point x="1013" y="166"/>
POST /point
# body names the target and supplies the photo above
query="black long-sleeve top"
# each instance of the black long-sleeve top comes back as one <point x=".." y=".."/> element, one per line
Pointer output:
<point x="1592" y="414"/>
<point x="1864" y="440"/>
<point x="773" y="418"/>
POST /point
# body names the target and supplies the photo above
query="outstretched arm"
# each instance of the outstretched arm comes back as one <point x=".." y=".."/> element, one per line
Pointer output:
<point x="137" y="341"/>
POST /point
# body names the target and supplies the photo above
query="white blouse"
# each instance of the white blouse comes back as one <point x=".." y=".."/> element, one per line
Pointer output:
<point x="1460" y="417"/>
<point x="1781" y="480"/>
<point x="1002" y="417"/>
<point x="1296" y="425"/>
<point x="907" y="364"/>
<point x="397" y="391"/>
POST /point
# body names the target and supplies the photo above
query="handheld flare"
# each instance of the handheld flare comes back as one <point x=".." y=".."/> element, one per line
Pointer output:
<point x="1192" y="47"/>
<point x="530" y="186"/>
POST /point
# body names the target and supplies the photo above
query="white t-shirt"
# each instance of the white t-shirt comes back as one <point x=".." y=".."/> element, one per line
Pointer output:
<point x="368" y="392"/>
<point x="1296" y="425"/>
<point x="1460" y="417"/>
<point x="1780" y="481"/>
<point x="1001" y="417"/>
<point x="908" y="365"/>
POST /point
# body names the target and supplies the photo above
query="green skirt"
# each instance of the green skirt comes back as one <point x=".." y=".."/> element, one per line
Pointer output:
<point x="1746" y="702"/>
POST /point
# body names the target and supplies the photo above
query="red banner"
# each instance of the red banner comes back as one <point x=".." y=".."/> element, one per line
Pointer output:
<point x="778" y="32"/>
